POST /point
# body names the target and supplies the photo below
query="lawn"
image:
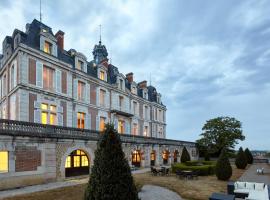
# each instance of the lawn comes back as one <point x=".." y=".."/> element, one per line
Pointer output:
<point x="199" y="189"/>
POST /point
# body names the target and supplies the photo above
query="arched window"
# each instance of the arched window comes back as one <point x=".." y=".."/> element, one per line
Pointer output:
<point x="153" y="157"/>
<point x="77" y="163"/>
<point x="136" y="158"/>
<point x="165" y="156"/>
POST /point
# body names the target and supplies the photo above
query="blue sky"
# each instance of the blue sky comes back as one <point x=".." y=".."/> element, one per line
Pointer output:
<point x="207" y="58"/>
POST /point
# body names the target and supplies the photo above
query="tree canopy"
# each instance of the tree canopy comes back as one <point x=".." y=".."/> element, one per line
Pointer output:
<point x="110" y="176"/>
<point x="219" y="133"/>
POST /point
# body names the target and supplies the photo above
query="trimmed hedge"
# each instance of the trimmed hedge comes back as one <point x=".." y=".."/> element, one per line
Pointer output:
<point x="199" y="163"/>
<point x="204" y="170"/>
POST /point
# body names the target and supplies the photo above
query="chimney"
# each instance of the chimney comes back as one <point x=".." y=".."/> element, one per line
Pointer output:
<point x="142" y="84"/>
<point x="60" y="39"/>
<point x="129" y="77"/>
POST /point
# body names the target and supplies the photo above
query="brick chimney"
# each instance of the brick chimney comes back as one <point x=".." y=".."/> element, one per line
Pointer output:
<point x="129" y="77"/>
<point x="142" y="84"/>
<point x="60" y="39"/>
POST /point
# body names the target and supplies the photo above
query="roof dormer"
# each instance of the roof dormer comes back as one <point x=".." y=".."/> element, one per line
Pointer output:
<point x="48" y="43"/>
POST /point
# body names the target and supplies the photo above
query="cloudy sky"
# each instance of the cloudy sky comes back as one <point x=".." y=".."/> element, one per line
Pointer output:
<point x="207" y="58"/>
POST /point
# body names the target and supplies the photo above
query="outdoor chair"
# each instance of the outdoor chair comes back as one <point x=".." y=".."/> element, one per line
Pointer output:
<point x="195" y="174"/>
<point x="179" y="173"/>
<point x="154" y="171"/>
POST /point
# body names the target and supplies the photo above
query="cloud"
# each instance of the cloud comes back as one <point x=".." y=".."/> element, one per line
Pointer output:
<point x="207" y="59"/>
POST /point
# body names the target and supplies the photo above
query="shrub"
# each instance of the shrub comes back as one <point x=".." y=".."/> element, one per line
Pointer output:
<point x="249" y="156"/>
<point x="241" y="160"/>
<point x="223" y="167"/>
<point x="111" y="176"/>
<point x="185" y="155"/>
<point x="204" y="170"/>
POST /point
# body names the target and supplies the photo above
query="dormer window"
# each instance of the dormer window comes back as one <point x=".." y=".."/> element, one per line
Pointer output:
<point x="133" y="90"/>
<point x="47" y="47"/>
<point x="80" y="65"/>
<point x="145" y="94"/>
<point x="102" y="75"/>
<point x="121" y="84"/>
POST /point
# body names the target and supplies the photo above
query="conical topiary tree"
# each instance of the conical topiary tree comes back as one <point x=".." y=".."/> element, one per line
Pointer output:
<point x="185" y="155"/>
<point x="241" y="160"/>
<point x="249" y="156"/>
<point x="223" y="167"/>
<point x="110" y="176"/>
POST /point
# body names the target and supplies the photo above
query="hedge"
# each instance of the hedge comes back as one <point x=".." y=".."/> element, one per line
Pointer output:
<point x="204" y="170"/>
<point x="197" y="163"/>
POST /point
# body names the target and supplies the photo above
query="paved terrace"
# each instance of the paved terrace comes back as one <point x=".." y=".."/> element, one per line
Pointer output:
<point x="28" y="129"/>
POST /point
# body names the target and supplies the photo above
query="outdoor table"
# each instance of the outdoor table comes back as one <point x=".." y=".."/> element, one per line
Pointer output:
<point x="220" y="196"/>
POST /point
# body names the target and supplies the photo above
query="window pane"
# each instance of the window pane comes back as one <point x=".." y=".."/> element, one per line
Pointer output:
<point x="76" y="161"/>
<point x="68" y="162"/>
<point x="84" y="161"/>
<point x="53" y="119"/>
<point x="53" y="108"/>
<point x="44" y="117"/>
<point x="44" y="106"/>
<point x="47" y="47"/>
<point x="102" y="124"/>
<point x="3" y="161"/>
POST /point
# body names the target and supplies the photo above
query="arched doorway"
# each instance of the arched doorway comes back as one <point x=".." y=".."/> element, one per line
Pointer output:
<point x="175" y="156"/>
<point x="153" y="158"/>
<point x="165" y="156"/>
<point x="136" y="158"/>
<point x="77" y="163"/>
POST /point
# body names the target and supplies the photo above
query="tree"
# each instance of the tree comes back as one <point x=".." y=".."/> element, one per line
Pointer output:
<point x="185" y="155"/>
<point x="219" y="133"/>
<point x="241" y="160"/>
<point x="111" y="176"/>
<point x="223" y="167"/>
<point x="249" y="156"/>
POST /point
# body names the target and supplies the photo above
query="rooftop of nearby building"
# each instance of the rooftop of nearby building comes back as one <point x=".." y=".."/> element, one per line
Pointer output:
<point x="31" y="38"/>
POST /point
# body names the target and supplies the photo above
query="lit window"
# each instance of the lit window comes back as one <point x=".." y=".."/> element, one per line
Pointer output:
<point x="68" y="162"/>
<point x="120" y="126"/>
<point x="135" y="129"/>
<point x="3" y="161"/>
<point x="76" y="161"/>
<point x="145" y="131"/>
<point x="102" y="97"/>
<point x="48" y="78"/>
<point x="48" y="116"/>
<point x="80" y="65"/>
<point x="102" y="123"/>
<point x="81" y="90"/>
<point x="84" y="161"/>
<point x="47" y="47"/>
<point x="121" y="100"/>
<point x="136" y="157"/>
<point x="102" y="75"/>
<point x="153" y="155"/>
<point x="80" y="120"/>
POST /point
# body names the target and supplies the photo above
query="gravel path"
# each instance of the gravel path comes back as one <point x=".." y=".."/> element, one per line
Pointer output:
<point x="151" y="192"/>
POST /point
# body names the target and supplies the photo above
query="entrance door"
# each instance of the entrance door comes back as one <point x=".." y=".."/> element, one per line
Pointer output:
<point x="136" y="158"/>
<point x="153" y="158"/>
<point x="77" y="163"/>
<point x="165" y="156"/>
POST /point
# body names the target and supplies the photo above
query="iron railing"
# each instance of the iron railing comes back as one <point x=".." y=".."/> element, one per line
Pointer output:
<point x="29" y="129"/>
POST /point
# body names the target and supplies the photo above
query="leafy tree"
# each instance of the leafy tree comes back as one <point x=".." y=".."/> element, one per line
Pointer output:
<point x="111" y="176"/>
<point x="219" y="133"/>
<point x="223" y="167"/>
<point x="185" y="155"/>
<point x="241" y="159"/>
<point x="249" y="156"/>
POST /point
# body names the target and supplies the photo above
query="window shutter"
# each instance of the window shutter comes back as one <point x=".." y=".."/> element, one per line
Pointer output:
<point x="58" y="81"/>
<point x="107" y="99"/>
<point x="42" y="42"/>
<point x="127" y="127"/>
<point x="0" y="89"/>
<point x="69" y="84"/>
<point x="105" y="76"/>
<point x="37" y="112"/>
<point x="97" y="123"/>
<point x="116" y="124"/>
<point x="15" y="73"/>
<point x="87" y="93"/>
<point x="88" y="121"/>
<point x="97" y="94"/>
<point x="39" y="74"/>
<point x="85" y="67"/>
<point x="60" y="119"/>
<point x="127" y="104"/>
<point x="75" y="88"/>
<point x="54" y="50"/>
<point x="37" y="104"/>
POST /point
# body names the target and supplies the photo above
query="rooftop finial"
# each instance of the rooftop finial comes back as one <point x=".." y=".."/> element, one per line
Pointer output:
<point x="40" y="15"/>
<point x="150" y="80"/>
<point x="100" y="34"/>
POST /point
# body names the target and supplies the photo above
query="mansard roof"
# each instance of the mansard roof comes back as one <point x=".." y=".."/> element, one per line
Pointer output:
<point x="31" y="38"/>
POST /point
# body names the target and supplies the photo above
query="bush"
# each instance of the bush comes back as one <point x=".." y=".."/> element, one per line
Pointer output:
<point x="249" y="156"/>
<point x="111" y="176"/>
<point x="223" y="167"/>
<point x="204" y="170"/>
<point x="185" y="155"/>
<point x="241" y="160"/>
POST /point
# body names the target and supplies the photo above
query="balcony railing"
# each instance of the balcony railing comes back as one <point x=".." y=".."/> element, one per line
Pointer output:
<point x="28" y="129"/>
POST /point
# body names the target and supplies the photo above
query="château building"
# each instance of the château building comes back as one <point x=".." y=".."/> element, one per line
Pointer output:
<point x="41" y="82"/>
<point x="54" y="105"/>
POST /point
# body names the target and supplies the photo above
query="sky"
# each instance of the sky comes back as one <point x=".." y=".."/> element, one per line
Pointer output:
<point x="207" y="58"/>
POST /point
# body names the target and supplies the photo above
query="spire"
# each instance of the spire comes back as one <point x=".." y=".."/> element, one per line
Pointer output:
<point x="40" y="15"/>
<point x="100" y="34"/>
<point x="100" y="52"/>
